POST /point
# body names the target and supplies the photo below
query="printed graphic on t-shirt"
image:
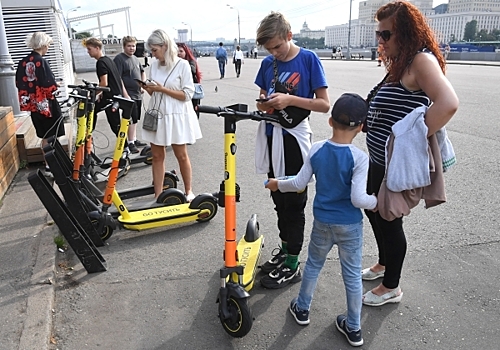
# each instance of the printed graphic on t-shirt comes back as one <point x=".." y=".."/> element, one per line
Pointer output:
<point x="288" y="81"/>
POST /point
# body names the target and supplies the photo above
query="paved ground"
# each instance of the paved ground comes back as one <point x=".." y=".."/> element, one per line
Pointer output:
<point x="160" y="288"/>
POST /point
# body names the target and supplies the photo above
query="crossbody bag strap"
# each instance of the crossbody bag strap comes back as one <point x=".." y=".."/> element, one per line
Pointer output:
<point x="165" y="83"/>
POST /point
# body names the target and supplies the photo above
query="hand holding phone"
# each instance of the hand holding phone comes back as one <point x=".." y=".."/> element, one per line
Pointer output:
<point x="148" y="82"/>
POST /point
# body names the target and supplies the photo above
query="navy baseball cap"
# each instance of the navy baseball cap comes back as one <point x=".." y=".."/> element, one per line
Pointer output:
<point x="350" y="109"/>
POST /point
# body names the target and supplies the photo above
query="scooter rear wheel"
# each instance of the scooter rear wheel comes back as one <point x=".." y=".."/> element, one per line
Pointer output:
<point x="240" y="320"/>
<point x="211" y="205"/>
<point x="171" y="196"/>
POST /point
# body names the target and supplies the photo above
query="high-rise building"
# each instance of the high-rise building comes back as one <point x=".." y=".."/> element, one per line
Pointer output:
<point x="448" y="25"/>
<point x="461" y="6"/>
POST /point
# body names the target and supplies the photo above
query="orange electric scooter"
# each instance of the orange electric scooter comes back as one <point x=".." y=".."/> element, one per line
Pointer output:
<point x="241" y="258"/>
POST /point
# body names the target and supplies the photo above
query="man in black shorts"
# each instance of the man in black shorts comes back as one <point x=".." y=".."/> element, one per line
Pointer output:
<point x="108" y="76"/>
<point x="131" y="69"/>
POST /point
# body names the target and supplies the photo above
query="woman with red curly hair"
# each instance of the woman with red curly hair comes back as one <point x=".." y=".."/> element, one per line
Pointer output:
<point x="184" y="52"/>
<point x="415" y="77"/>
<point x="36" y="85"/>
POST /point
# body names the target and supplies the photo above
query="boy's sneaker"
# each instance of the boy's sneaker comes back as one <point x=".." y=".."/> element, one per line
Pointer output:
<point x="301" y="316"/>
<point x="353" y="337"/>
<point x="133" y="148"/>
<point x="276" y="261"/>
<point x="281" y="277"/>
<point x="140" y="144"/>
<point x="48" y="174"/>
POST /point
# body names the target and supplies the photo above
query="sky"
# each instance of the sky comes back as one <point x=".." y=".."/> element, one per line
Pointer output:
<point x="208" y="19"/>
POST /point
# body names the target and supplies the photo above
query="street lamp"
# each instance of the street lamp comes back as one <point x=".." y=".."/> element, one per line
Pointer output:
<point x="69" y="23"/>
<point x="348" y="57"/>
<point x="234" y="8"/>
<point x="191" y="29"/>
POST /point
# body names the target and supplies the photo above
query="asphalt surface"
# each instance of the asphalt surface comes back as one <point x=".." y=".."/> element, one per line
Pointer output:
<point x="160" y="288"/>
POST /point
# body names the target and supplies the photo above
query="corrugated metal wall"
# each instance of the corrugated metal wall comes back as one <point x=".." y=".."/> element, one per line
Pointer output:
<point x="23" y="21"/>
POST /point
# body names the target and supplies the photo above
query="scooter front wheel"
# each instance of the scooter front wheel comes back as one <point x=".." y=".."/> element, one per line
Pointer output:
<point x="106" y="232"/>
<point x="240" y="319"/>
<point x="146" y="151"/>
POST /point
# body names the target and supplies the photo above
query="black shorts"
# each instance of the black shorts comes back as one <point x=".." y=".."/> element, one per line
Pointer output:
<point x="136" y="111"/>
<point x="47" y="127"/>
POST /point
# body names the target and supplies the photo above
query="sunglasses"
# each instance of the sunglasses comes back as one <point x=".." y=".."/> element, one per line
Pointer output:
<point x="385" y="34"/>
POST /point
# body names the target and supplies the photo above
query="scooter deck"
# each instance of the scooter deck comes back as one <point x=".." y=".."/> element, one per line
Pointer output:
<point x="158" y="217"/>
<point x="249" y="256"/>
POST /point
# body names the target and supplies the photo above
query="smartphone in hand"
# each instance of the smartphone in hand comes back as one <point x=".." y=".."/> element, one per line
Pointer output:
<point x="145" y="83"/>
<point x="262" y="99"/>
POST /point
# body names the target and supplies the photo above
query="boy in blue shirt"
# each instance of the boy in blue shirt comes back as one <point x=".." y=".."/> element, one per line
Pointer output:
<point x="292" y="84"/>
<point x="341" y="171"/>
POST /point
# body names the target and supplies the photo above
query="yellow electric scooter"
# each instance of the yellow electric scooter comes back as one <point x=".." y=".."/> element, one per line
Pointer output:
<point x="171" y="206"/>
<point x="241" y="258"/>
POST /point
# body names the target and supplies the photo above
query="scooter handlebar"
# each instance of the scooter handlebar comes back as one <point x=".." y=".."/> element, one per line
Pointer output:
<point x="210" y="109"/>
<point x="226" y="111"/>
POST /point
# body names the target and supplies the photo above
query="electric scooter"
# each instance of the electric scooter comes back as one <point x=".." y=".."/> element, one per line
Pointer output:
<point x="83" y="152"/>
<point x="240" y="259"/>
<point x="171" y="206"/>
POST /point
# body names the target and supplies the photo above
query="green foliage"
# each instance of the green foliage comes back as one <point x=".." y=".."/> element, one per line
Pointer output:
<point x="470" y="30"/>
<point x="59" y="241"/>
<point x="309" y="43"/>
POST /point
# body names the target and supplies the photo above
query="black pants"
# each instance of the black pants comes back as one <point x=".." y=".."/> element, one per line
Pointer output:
<point x="391" y="240"/>
<point x="237" y="66"/>
<point x="290" y="206"/>
<point x="113" y="117"/>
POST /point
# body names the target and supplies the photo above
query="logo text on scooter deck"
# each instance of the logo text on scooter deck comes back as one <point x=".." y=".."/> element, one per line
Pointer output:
<point x="161" y="211"/>
<point x="245" y="255"/>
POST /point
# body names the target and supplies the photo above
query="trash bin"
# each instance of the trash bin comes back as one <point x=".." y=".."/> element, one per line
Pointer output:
<point x="374" y="53"/>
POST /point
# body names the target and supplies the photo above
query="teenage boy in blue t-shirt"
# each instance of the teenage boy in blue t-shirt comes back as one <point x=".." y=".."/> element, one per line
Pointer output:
<point x="341" y="170"/>
<point x="293" y="81"/>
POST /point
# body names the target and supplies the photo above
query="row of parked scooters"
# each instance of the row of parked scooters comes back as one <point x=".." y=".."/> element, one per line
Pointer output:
<point x="88" y="213"/>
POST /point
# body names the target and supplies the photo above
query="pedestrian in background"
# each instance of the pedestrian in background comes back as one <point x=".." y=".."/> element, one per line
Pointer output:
<point x="36" y="86"/>
<point x="185" y="53"/>
<point x="171" y="99"/>
<point x="221" y="57"/>
<point x="238" y="60"/>
<point x="415" y="68"/>
<point x="130" y="69"/>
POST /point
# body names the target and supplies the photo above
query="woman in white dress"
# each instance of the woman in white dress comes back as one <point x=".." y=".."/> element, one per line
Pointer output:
<point x="171" y="99"/>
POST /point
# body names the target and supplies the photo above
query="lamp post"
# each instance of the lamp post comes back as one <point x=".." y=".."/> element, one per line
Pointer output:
<point x="191" y="38"/>
<point x="234" y="8"/>
<point x="348" y="57"/>
<point x="69" y="23"/>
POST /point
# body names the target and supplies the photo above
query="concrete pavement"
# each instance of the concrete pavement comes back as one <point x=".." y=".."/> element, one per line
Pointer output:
<point x="160" y="288"/>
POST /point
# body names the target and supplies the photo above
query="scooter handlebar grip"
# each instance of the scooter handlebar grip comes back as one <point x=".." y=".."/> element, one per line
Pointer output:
<point x="210" y="109"/>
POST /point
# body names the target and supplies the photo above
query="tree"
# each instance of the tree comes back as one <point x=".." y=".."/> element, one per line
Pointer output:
<point x="470" y="30"/>
<point x="83" y="35"/>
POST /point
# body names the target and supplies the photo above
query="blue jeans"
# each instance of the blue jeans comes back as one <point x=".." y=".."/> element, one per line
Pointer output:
<point x="222" y="67"/>
<point x="349" y="239"/>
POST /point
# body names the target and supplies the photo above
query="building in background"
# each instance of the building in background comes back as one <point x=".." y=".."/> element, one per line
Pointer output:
<point x="305" y="32"/>
<point x="447" y="20"/>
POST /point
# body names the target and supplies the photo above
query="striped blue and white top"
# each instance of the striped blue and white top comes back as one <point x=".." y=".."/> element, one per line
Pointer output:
<point x="391" y="104"/>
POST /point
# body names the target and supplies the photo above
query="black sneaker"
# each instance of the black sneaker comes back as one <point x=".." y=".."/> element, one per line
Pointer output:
<point x="281" y="277"/>
<point x="133" y="148"/>
<point x="301" y="316"/>
<point x="277" y="260"/>
<point x="353" y="337"/>
<point x="140" y="143"/>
